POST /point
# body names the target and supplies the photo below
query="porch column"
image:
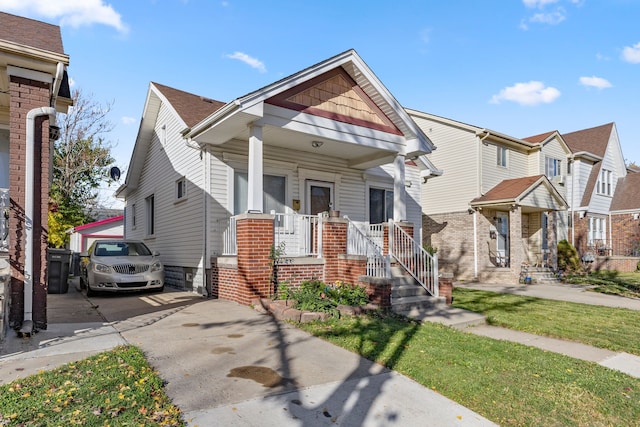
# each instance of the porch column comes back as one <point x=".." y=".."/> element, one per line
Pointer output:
<point x="254" y="191"/>
<point x="399" y="191"/>
<point x="517" y="251"/>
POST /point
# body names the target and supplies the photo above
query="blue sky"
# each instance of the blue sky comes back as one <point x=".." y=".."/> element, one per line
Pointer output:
<point x="521" y="67"/>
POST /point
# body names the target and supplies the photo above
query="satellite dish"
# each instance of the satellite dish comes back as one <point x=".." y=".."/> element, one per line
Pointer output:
<point x="114" y="172"/>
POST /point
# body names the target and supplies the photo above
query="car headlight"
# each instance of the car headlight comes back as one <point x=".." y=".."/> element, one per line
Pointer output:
<point x="101" y="268"/>
<point x="156" y="266"/>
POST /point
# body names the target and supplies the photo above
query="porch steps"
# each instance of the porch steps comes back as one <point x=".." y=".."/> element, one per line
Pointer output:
<point x="411" y="300"/>
<point x="543" y="276"/>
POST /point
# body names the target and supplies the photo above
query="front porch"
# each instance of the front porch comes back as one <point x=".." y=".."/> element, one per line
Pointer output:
<point x="261" y="251"/>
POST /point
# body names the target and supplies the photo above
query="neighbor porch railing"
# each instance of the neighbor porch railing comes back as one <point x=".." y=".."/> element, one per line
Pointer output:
<point x="5" y="203"/>
<point x="416" y="261"/>
<point x="370" y="244"/>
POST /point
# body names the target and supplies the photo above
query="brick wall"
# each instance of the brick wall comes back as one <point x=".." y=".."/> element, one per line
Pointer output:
<point x="581" y="233"/>
<point x="25" y="96"/>
<point x="334" y="244"/>
<point x="294" y="274"/>
<point x="625" y="231"/>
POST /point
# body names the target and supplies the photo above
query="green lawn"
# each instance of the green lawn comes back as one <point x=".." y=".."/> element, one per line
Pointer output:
<point x="510" y="384"/>
<point x="114" y="388"/>
<point x="609" y="282"/>
<point x="605" y="327"/>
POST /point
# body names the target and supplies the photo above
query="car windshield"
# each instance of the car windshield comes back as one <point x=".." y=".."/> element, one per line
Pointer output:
<point x="121" y="249"/>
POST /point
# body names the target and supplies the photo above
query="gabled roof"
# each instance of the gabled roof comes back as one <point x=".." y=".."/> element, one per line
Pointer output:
<point x="29" y="32"/>
<point x="98" y="223"/>
<point x="191" y="108"/>
<point x="521" y="191"/>
<point x="591" y="183"/>
<point x="593" y="140"/>
<point x="237" y="114"/>
<point x="627" y="196"/>
<point x="537" y="139"/>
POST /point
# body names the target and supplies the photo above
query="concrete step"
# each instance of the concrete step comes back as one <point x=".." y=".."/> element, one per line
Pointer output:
<point x="409" y="290"/>
<point x="404" y="304"/>
<point x="446" y="315"/>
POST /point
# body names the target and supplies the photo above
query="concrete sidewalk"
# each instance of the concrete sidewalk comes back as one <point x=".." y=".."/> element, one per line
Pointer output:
<point x="226" y="364"/>
<point x="620" y="361"/>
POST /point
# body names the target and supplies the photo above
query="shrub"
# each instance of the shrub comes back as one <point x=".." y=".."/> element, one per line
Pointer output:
<point x="568" y="258"/>
<point x="315" y="295"/>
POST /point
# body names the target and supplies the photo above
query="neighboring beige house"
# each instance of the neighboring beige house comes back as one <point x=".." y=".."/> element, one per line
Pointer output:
<point x="499" y="203"/>
<point x="215" y="187"/>
<point x="33" y="88"/>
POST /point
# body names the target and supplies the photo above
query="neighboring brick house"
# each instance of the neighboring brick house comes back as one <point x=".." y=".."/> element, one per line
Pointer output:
<point x="33" y="88"/>
<point x="597" y="168"/>
<point x="625" y="224"/>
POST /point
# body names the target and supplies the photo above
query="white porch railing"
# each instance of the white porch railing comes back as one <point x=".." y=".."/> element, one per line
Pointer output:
<point x="371" y="246"/>
<point x="225" y="230"/>
<point x="297" y="235"/>
<point x="5" y="203"/>
<point x="418" y="262"/>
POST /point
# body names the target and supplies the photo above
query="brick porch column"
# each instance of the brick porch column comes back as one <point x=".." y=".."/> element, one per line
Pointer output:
<point x="517" y="254"/>
<point x="334" y="244"/>
<point x="26" y="95"/>
<point x="254" y="235"/>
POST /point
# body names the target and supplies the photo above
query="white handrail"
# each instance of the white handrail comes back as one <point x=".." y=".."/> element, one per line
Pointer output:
<point x="297" y="235"/>
<point x="358" y="243"/>
<point x="419" y="263"/>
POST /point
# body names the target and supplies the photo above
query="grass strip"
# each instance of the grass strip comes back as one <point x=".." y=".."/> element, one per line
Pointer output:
<point x="114" y="388"/>
<point x="615" y="329"/>
<point x="508" y="383"/>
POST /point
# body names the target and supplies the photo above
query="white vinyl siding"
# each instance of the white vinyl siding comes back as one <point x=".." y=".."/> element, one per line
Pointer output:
<point x="493" y="174"/>
<point x="457" y="156"/>
<point x="178" y="227"/>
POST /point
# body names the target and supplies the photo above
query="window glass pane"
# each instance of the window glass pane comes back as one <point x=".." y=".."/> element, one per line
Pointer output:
<point x="274" y="193"/>
<point x="389" y="205"/>
<point x="376" y="206"/>
<point x="240" y="192"/>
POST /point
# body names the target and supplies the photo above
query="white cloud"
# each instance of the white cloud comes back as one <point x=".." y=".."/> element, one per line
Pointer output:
<point x="631" y="53"/>
<point x="530" y="93"/>
<point x="531" y="4"/>
<point x="252" y="62"/>
<point x="551" y="18"/>
<point x="128" y="120"/>
<point x="597" y="82"/>
<point x="74" y="13"/>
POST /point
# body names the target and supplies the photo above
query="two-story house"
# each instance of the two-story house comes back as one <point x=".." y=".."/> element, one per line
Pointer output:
<point x="499" y="203"/>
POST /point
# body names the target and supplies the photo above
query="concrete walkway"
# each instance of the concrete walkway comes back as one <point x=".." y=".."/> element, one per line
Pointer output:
<point x="620" y="361"/>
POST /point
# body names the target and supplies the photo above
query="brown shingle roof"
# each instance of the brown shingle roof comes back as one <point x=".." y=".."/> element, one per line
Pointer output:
<point x="627" y="196"/>
<point x="30" y="33"/>
<point x="537" y="139"/>
<point x="509" y="189"/>
<point x="591" y="183"/>
<point x="593" y="140"/>
<point x="191" y="108"/>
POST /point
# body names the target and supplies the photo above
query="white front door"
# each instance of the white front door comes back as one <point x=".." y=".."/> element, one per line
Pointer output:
<point x="319" y="197"/>
<point x="502" y="239"/>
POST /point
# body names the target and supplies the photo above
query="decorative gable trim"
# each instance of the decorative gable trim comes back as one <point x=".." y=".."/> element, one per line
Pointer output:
<point x="335" y="95"/>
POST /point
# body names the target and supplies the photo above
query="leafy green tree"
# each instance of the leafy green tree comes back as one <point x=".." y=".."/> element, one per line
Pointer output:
<point x="81" y="161"/>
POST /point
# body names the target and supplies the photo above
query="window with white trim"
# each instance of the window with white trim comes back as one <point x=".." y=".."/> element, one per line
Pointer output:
<point x="133" y="215"/>
<point x="151" y="215"/>
<point x="604" y="182"/>
<point x="597" y="230"/>
<point x="274" y="193"/>
<point x="501" y="156"/>
<point x="552" y="167"/>
<point x="380" y="205"/>
<point x="181" y="189"/>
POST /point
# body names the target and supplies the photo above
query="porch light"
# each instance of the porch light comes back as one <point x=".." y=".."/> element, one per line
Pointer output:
<point x="54" y="132"/>
<point x="316" y="144"/>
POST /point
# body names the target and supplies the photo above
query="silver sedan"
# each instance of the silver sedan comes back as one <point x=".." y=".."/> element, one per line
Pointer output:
<point x="121" y="265"/>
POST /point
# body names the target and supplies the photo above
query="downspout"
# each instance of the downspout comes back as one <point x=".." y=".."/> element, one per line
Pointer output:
<point x="27" y="322"/>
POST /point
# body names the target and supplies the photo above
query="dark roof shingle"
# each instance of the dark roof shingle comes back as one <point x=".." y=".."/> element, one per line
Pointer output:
<point x="191" y="108"/>
<point x="593" y="140"/>
<point x="30" y="32"/>
<point x="627" y="196"/>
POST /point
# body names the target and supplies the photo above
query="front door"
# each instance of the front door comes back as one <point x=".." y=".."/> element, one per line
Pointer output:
<point x="502" y="239"/>
<point x="319" y="197"/>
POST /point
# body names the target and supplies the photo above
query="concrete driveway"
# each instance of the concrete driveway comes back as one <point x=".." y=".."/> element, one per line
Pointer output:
<point x="226" y="364"/>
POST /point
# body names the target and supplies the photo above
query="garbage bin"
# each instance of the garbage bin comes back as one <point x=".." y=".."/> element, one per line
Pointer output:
<point x="58" y="270"/>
